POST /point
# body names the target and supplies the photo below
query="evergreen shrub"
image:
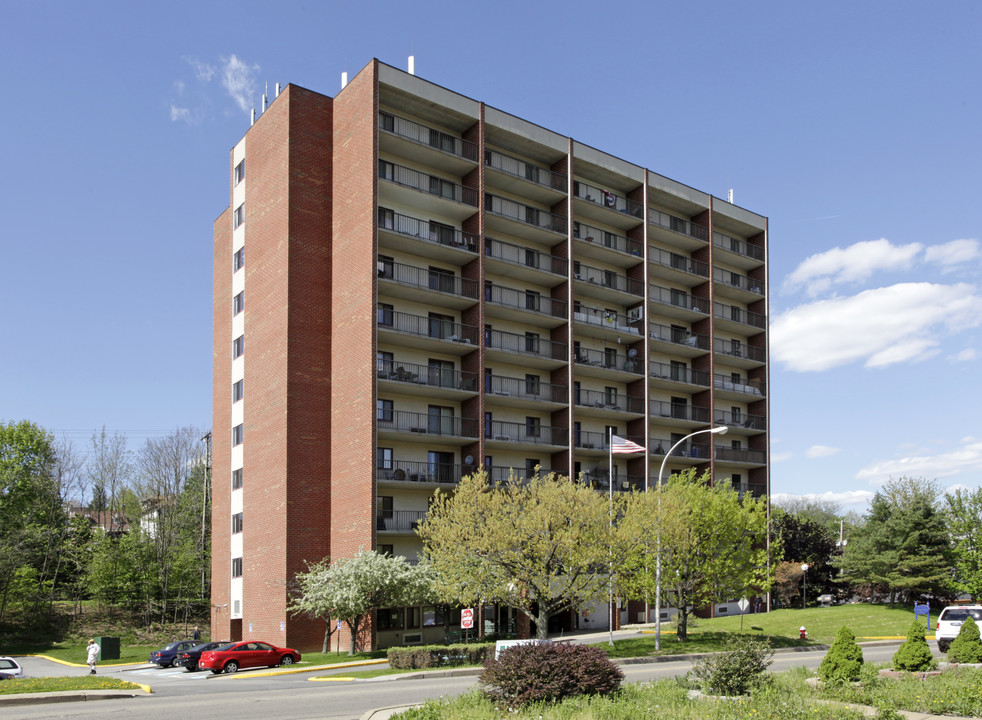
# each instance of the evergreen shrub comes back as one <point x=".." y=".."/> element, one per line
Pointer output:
<point x="967" y="647"/>
<point x="844" y="660"/>
<point x="736" y="671"/>
<point x="914" y="655"/>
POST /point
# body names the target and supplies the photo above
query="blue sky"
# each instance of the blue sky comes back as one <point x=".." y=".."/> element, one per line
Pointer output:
<point x="855" y="127"/>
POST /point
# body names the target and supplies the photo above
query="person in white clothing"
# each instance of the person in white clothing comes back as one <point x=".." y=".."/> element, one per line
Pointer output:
<point x="93" y="655"/>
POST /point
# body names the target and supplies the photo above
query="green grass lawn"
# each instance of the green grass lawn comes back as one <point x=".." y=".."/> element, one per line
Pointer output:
<point x="56" y="684"/>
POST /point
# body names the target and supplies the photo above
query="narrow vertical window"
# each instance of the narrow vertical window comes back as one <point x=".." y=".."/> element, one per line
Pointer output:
<point x="238" y="346"/>
<point x="238" y="303"/>
<point x="239" y="216"/>
<point x="236" y="567"/>
<point x="237" y="523"/>
<point x="238" y="259"/>
<point x="237" y="479"/>
<point x="237" y="433"/>
<point x="238" y="175"/>
<point x="237" y="390"/>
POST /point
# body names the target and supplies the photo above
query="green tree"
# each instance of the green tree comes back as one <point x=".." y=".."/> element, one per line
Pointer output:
<point x="713" y="545"/>
<point x="966" y="647"/>
<point x="807" y="540"/>
<point x="964" y="519"/>
<point x="844" y="660"/>
<point x="914" y="655"/>
<point x="540" y="545"/>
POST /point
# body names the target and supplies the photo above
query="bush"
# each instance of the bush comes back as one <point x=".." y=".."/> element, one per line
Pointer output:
<point x="967" y="647"/>
<point x="427" y="656"/>
<point x="914" y="655"/>
<point x="546" y="672"/>
<point x="844" y="660"/>
<point x="737" y="670"/>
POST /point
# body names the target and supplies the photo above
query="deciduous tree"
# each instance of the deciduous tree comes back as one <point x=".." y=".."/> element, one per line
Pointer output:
<point x="964" y="518"/>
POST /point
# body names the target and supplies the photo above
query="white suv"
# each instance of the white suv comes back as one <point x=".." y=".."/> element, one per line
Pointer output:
<point x="950" y="622"/>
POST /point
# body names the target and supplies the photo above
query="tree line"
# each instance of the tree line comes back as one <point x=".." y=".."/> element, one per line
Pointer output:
<point x="128" y="530"/>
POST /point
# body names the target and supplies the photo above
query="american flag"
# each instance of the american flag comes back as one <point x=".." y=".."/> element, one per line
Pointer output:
<point x="623" y="446"/>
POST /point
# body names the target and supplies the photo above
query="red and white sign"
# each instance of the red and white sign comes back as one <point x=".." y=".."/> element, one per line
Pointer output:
<point x="466" y="618"/>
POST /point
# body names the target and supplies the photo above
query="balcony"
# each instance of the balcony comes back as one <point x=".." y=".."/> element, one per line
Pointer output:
<point x="448" y="197"/>
<point x="540" y="351"/>
<point x="530" y="388"/>
<point x="597" y="478"/>
<point x="674" y="374"/>
<point x="550" y="312"/>
<point x="437" y="332"/>
<point x="733" y="385"/>
<point x="527" y="215"/>
<point x="427" y="136"/>
<point x="596" y="243"/>
<point x="527" y="433"/>
<point x="608" y="401"/>
<point x="592" y="440"/>
<point x="685" y="342"/>
<point x="678" y="268"/>
<point x="605" y="283"/>
<point x="399" y="520"/>
<point x="731" y="314"/>
<point x="525" y="178"/>
<point x="678" y="230"/>
<point x="679" y="411"/>
<point x="419" y="283"/>
<point x="739" y="354"/>
<point x="607" y="320"/>
<point x="607" y="359"/>
<point x="740" y="455"/>
<point x="502" y="474"/>
<point x="415" y="471"/>
<point x="616" y="209"/>
<point x="739" y="252"/>
<point x="688" y="450"/>
<point x="678" y="303"/>
<point x="525" y="258"/>
<point x="735" y="285"/>
<point x="426" y="424"/>
<point x="426" y="376"/>
<point x="429" y="232"/>
<point x="740" y="421"/>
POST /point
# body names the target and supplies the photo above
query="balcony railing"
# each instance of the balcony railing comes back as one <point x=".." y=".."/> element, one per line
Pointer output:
<point x="424" y="230"/>
<point x="530" y="344"/>
<point x="688" y="449"/>
<point x="426" y="423"/>
<point x="597" y="479"/>
<point x="746" y="455"/>
<point x="607" y="199"/>
<point x="679" y="262"/>
<point x="431" y="184"/>
<point x="530" y="388"/>
<point x="592" y="440"/>
<point x="739" y="315"/>
<point x="678" y="411"/>
<point x="525" y="170"/>
<point x="678" y="373"/>
<point x="608" y="319"/>
<point x="740" y="385"/>
<point x="609" y="358"/>
<point x="428" y="136"/>
<point x="740" y="420"/>
<point x="525" y="300"/>
<point x="740" y="247"/>
<point x="677" y="225"/>
<point x="525" y="256"/>
<point x="608" y="279"/>
<point x="607" y="239"/>
<point x="677" y="298"/>
<point x="737" y="280"/>
<point x="431" y="327"/>
<point x="738" y="349"/>
<point x="501" y="474"/>
<point x="425" y="278"/>
<point x="606" y="400"/>
<point x="426" y="375"/>
<point x="533" y="433"/>
<point x="679" y="336"/>
<point x="417" y="471"/>
<point x="399" y="519"/>
<point x="524" y="213"/>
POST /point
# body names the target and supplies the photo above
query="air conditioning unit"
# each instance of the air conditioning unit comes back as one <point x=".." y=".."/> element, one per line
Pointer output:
<point x="635" y="314"/>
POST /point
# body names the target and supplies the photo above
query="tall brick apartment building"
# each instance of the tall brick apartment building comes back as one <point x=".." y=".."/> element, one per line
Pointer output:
<point x="410" y="284"/>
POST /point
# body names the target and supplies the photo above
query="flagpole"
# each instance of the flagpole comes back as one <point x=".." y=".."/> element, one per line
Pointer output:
<point x="610" y="521"/>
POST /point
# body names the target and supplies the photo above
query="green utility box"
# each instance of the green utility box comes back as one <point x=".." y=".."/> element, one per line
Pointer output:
<point x="108" y="648"/>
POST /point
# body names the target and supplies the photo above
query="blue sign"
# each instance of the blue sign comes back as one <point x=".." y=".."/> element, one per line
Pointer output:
<point x="924" y="609"/>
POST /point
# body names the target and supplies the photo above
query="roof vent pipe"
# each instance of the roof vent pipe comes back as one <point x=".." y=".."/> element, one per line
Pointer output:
<point x="412" y="64"/>
<point x="344" y="80"/>
<point x="277" y="90"/>
<point x="729" y="196"/>
<point x="253" y="121"/>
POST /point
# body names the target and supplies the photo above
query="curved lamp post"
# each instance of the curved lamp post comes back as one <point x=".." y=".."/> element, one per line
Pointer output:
<point x="721" y="430"/>
<point x="804" y="585"/>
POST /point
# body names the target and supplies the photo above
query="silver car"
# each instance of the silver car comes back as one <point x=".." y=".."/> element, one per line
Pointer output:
<point x="950" y="622"/>
<point x="10" y="668"/>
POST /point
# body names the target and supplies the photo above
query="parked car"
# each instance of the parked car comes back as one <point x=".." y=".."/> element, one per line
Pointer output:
<point x="189" y="658"/>
<point x="245" y="654"/>
<point x="950" y="622"/>
<point x="10" y="669"/>
<point x="167" y="655"/>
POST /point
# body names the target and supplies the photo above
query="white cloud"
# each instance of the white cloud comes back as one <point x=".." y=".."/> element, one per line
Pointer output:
<point x="966" y="355"/>
<point x="845" y="499"/>
<point x="817" y="273"/>
<point x="179" y="86"/>
<point x="817" y="451"/>
<point x="202" y="70"/>
<point x="237" y="78"/>
<point x="178" y="114"/>
<point x="966" y="458"/>
<point x="953" y="255"/>
<point x="780" y="457"/>
<point x="881" y="327"/>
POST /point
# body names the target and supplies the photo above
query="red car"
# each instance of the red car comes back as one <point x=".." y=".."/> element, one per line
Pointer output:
<point x="245" y="654"/>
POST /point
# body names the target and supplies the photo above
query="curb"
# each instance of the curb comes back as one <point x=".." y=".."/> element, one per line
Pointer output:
<point x="70" y="696"/>
<point x="293" y="670"/>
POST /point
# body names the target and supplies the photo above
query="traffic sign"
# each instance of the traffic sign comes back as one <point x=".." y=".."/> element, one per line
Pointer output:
<point x="467" y="618"/>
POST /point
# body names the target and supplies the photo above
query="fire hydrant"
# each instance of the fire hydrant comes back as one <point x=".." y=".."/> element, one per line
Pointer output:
<point x="802" y="633"/>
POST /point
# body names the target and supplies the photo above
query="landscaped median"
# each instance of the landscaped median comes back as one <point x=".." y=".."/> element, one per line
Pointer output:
<point x="84" y="687"/>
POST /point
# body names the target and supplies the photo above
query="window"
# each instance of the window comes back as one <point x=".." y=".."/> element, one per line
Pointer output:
<point x="440" y="420"/>
<point x="238" y="217"/>
<point x="383" y="458"/>
<point x="610" y="357"/>
<point x="238" y="259"/>
<point x="384" y="363"/>
<point x="736" y="412"/>
<point x="237" y="523"/>
<point x="389" y="618"/>
<point x="412" y="617"/>
<point x="238" y="175"/>
<point x="387" y="550"/>
<point x="238" y="346"/>
<point x="680" y="372"/>
<point x="532" y="385"/>
<point x="610" y="396"/>
<point x="237" y="390"/>
<point x="442" y="233"/>
<point x="440" y="466"/>
<point x="238" y="303"/>
<point x="385" y="314"/>
<point x="385" y="510"/>
<point x="533" y="427"/>
<point x="487" y="425"/>
<point x="236" y="567"/>
<point x="383" y="410"/>
<point x="442" y="280"/>
<point x="441" y="326"/>
<point x="237" y="435"/>
<point x="237" y="479"/>
<point x="531" y="258"/>
<point x="531" y="342"/>
<point x="440" y="373"/>
<point x="680" y="408"/>
<point x="386" y="218"/>
<point x="532" y="299"/>
<point x="386" y="267"/>
<point x="530" y="465"/>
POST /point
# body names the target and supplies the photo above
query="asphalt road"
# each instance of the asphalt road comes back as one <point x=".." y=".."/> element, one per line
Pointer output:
<point x="247" y="696"/>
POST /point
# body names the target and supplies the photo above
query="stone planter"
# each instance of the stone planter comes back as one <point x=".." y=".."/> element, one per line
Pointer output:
<point x="907" y="673"/>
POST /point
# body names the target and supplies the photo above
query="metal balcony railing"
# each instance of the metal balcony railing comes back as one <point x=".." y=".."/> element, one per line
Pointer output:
<point x="399" y="519"/>
<point x="740" y="385"/>
<point x="524" y="213"/>
<point x="431" y="184"/>
<point x="735" y="348"/>
<point x="678" y="411"/>
<point x="525" y="256"/>
<point x="525" y="170"/>
<point x="593" y="440"/>
<point x="426" y="423"/>
<point x="432" y="327"/>
<point x="737" y="280"/>
<point x="597" y="478"/>
<point x="677" y="298"/>
<point x="607" y="400"/>
<point x="530" y="344"/>
<point x="608" y="319"/>
<point x="607" y="199"/>
<point x="677" y="225"/>
<point x="416" y="471"/>
<point x="739" y="315"/>
<point x="746" y="455"/>
<point x="679" y="336"/>
<point x="524" y="300"/>
<point x="688" y="449"/>
<point x="740" y="420"/>
<point x="608" y="279"/>
<point x="413" y="276"/>
<point x="740" y="247"/>
<point x="678" y="373"/>
<point x="607" y="239"/>
<point x="501" y="474"/>
<point x="529" y="388"/>
<point x="529" y="432"/>
<point x="679" y="262"/>
<point x="425" y="230"/>
<point x="608" y="358"/>
<point x="426" y="375"/>
<point x="428" y="136"/>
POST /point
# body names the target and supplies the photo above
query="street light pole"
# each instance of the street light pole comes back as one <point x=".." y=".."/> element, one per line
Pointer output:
<point x="721" y="430"/>
<point x="804" y="584"/>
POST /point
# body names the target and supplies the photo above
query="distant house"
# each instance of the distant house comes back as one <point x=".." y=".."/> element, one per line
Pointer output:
<point x="114" y="524"/>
